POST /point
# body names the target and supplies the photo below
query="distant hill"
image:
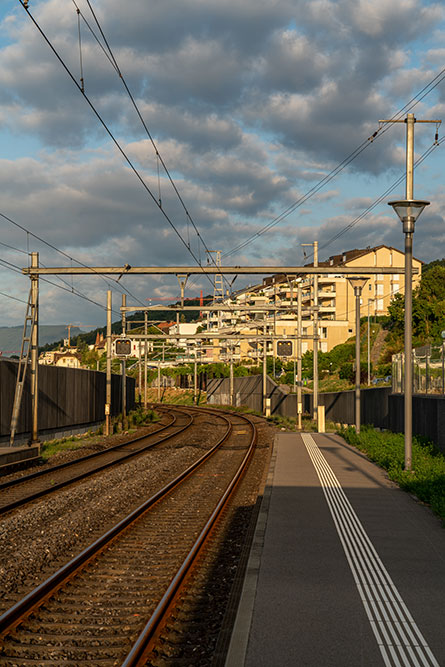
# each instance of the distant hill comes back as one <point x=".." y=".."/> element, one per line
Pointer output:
<point x="11" y="337"/>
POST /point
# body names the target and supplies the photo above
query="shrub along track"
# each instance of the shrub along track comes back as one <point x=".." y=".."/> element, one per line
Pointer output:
<point x="21" y="490"/>
<point x="95" y="608"/>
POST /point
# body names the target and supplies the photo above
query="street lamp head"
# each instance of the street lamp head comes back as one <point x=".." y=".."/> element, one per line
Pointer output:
<point x="408" y="210"/>
<point x="358" y="282"/>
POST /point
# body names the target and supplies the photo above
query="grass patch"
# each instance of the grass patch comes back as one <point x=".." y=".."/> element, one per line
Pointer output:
<point x="51" y="447"/>
<point x="427" y="481"/>
<point x="138" y="417"/>
<point x="176" y="396"/>
<point x="290" y="424"/>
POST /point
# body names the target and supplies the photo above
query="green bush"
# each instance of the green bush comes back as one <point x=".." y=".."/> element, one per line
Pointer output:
<point x="426" y="480"/>
<point x="347" y="372"/>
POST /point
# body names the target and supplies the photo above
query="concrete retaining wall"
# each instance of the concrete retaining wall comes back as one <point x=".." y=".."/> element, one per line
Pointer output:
<point x="69" y="398"/>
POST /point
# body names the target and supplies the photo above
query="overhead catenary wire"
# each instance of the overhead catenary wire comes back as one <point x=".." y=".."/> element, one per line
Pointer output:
<point x="9" y="296"/>
<point x="382" y="129"/>
<point x="63" y="253"/>
<point x="426" y="90"/>
<point x="110" y="134"/>
<point x="159" y="159"/>
<point x="69" y="289"/>
<point x="360" y="217"/>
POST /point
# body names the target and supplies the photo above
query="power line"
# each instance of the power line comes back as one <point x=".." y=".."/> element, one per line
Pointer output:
<point x="70" y="290"/>
<point x="13" y="297"/>
<point x="61" y="252"/>
<point x="426" y="90"/>
<point x="356" y="220"/>
<point x="110" y="134"/>
<point x="110" y="56"/>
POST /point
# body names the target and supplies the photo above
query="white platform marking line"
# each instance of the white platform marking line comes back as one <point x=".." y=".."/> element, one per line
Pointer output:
<point x="370" y="575"/>
<point x="371" y="589"/>
<point x="358" y="566"/>
<point x="372" y="586"/>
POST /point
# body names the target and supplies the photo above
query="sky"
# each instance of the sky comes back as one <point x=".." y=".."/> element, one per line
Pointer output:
<point x="251" y="107"/>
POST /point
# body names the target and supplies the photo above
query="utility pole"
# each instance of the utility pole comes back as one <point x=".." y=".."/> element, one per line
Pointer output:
<point x="140" y="373"/>
<point x="315" y="330"/>
<point x="108" y="369"/>
<point x="35" y="352"/>
<point x="357" y="284"/>
<point x="369" y="347"/>
<point x="195" y="377"/>
<point x="264" y="369"/>
<point x="294" y="347"/>
<point x="299" y="369"/>
<point x="408" y="211"/>
<point x="231" y="374"/>
<point x="123" y="369"/>
<point x="182" y="280"/>
<point x="145" y="359"/>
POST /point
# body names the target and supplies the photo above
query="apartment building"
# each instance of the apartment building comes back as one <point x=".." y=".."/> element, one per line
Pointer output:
<point x="335" y="298"/>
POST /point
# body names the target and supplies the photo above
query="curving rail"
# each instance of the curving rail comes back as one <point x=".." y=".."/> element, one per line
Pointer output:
<point x="121" y="574"/>
<point x="43" y="482"/>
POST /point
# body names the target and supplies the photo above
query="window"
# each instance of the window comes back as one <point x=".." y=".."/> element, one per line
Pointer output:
<point x="379" y="304"/>
<point x="380" y="276"/>
<point x="379" y="289"/>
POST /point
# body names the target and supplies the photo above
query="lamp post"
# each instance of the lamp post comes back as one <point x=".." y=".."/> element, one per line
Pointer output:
<point x="369" y="347"/>
<point x="408" y="210"/>
<point x="357" y="283"/>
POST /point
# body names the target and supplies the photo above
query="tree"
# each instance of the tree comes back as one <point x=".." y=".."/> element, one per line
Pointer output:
<point x="428" y="310"/>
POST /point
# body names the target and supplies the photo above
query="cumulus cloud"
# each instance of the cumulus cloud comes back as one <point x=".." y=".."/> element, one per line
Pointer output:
<point x="250" y="104"/>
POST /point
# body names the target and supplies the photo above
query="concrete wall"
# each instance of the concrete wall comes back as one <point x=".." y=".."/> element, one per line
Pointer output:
<point x="68" y="398"/>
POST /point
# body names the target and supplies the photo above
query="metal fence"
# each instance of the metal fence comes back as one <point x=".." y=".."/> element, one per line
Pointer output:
<point x="428" y="370"/>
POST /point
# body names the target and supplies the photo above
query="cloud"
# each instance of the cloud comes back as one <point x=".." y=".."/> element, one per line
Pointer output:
<point x="250" y="104"/>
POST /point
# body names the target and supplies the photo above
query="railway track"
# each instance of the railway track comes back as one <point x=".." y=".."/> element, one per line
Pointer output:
<point x="107" y="605"/>
<point x="22" y="490"/>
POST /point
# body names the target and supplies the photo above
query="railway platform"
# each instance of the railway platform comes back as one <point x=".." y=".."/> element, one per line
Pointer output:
<point x="10" y="456"/>
<point x="345" y="568"/>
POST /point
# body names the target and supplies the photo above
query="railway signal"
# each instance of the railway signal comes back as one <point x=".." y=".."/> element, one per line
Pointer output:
<point x="123" y="347"/>
<point x="284" y="348"/>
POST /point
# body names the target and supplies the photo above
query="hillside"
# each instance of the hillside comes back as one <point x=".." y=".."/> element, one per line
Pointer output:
<point x="11" y="337"/>
<point x="153" y="316"/>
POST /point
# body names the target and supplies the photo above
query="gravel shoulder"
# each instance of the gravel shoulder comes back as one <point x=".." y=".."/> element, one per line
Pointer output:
<point x="37" y="539"/>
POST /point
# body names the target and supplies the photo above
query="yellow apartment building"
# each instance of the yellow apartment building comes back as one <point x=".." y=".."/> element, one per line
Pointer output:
<point x="335" y="297"/>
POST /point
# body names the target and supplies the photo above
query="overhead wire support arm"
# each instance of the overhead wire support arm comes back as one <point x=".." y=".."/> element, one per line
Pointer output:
<point x="199" y="270"/>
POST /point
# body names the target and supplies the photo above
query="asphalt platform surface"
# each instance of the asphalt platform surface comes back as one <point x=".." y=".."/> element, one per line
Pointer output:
<point x="345" y="569"/>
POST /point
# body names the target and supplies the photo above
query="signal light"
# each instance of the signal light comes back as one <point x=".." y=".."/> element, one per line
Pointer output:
<point x="123" y="347"/>
<point x="284" y="348"/>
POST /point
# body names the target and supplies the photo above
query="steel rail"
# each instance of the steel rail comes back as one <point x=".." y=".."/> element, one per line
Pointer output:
<point x="56" y="487"/>
<point x="41" y="473"/>
<point x="152" y="629"/>
<point x="33" y="600"/>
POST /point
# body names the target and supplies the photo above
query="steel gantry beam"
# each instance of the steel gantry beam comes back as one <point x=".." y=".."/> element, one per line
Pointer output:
<point x="233" y="307"/>
<point x="211" y="270"/>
